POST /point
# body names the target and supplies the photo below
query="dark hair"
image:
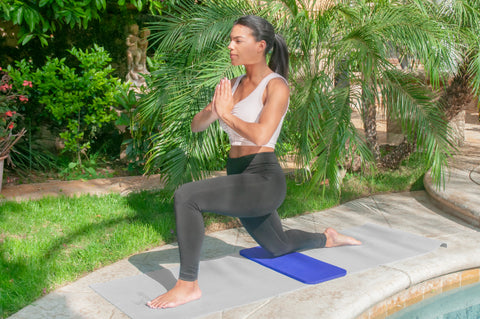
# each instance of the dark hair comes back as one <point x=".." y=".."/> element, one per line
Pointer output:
<point x="263" y="30"/>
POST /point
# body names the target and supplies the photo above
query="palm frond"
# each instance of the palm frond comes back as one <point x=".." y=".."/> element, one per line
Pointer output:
<point x="474" y="71"/>
<point x="339" y="138"/>
<point x="421" y="119"/>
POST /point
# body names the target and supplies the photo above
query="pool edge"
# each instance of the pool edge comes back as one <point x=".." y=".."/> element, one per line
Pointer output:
<point x="421" y="291"/>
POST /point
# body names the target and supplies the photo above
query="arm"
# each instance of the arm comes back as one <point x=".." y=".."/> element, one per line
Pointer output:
<point x="275" y="107"/>
<point x="204" y="118"/>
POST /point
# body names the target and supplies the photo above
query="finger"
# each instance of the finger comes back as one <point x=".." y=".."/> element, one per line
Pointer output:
<point x="222" y="85"/>
<point x="226" y="86"/>
<point x="217" y="91"/>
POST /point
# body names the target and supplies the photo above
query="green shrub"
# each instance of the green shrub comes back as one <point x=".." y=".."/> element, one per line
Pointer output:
<point x="136" y="137"/>
<point x="79" y="101"/>
<point x="38" y="19"/>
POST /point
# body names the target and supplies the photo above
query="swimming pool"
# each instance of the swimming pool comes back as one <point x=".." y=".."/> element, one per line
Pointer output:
<point x="460" y="303"/>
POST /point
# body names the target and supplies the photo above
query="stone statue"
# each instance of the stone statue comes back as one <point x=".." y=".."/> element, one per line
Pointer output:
<point x="137" y="44"/>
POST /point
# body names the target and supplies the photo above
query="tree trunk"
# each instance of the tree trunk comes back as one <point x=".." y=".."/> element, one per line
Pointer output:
<point x="458" y="93"/>
<point x="397" y="154"/>
<point x="370" y="127"/>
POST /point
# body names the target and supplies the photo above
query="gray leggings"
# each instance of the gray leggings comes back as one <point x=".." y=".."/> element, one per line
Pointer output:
<point x="253" y="190"/>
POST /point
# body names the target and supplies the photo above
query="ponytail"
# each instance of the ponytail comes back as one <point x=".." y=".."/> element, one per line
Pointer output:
<point x="263" y="30"/>
<point x="279" y="58"/>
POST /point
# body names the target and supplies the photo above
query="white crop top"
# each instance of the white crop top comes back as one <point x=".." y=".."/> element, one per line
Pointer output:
<point x="249" y="110"/>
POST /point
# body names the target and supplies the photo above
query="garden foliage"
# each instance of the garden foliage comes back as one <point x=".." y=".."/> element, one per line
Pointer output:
<point x="79" y="100"/>
<point x="39" y="19"/>
<point x="12" y="96"/>
<point x="137" y="137"/>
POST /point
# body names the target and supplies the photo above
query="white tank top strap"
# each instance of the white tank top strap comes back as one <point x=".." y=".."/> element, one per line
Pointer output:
<point x="237" y="83"/>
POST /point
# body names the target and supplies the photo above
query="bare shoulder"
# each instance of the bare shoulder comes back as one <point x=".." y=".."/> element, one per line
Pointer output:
<point x="278" y="86"/>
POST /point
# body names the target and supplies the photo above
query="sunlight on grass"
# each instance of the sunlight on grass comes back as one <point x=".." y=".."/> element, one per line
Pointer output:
<point x="408" y="177"/>
<point x="52" y="241"/>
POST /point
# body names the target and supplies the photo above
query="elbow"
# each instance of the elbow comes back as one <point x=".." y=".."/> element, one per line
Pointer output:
<point x="261" y="140"/>
<point x="196" y="124"/>
<point x="196" y="127"/>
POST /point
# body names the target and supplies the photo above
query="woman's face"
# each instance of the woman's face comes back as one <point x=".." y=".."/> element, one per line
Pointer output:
<point x="244" y="48"/>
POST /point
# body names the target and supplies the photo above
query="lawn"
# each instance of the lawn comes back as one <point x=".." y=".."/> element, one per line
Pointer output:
<point x="53" y="241"/>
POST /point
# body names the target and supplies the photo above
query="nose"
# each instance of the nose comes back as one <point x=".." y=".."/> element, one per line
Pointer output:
<point x="230" y="46"/>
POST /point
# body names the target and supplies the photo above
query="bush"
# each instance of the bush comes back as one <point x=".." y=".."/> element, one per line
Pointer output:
<point x="136" y="137"/>
<point x="79" y="101"/>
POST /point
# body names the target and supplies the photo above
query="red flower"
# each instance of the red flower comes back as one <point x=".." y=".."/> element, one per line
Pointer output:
<point x="11" y="126"/>
<point x="9" y="113"/>
<point x="27" y="83"/>
<point x="4" y="88"/>
<point x="23" y="98"/>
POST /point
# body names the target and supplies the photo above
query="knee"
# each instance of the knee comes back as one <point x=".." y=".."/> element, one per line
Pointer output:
<point x="182" y="198"/>
<point x="179" y="195"/>
<point x="278" y="251"/>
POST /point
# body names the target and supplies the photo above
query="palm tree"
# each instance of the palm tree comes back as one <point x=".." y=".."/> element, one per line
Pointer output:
<point x="462" y="16"/>
<point x="361" y="37"/>
<point x="345" y="46"/>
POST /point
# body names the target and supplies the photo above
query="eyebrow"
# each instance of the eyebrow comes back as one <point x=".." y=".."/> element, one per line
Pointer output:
<point x="236" y="37"/>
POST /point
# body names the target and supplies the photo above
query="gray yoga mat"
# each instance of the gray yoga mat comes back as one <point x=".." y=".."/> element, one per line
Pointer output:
<point x="232" y="281"/>
<point x="380" y="245"/>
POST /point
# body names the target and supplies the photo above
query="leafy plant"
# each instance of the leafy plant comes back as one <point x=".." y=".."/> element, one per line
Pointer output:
<point x="30" y="155"/>
<point x="331" y="78"/>
<point x="10" y="97"/>
<point x="136" y="139"/>
<point x="80" y="101"/>
<point x="83" y="170"/>
<point x="38" y="19"/>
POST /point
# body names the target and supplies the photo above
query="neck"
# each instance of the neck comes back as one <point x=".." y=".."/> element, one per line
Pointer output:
<point x="257" y="71"/>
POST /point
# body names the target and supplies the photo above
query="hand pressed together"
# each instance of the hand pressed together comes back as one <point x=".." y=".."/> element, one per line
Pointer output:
<point x="223" y="98"/>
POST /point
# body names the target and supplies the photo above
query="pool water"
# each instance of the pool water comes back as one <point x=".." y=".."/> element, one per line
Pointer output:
<point x="460" y="303"/>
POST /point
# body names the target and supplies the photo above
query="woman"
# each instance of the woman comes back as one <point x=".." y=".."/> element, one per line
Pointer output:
<point x="250" y="109"/>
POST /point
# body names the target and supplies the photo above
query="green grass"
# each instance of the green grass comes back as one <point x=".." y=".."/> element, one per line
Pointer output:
<point x="49" y="242"/>
<point x="409" y="176"/>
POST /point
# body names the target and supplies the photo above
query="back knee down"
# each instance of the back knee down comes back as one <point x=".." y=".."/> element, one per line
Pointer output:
<point x="278" y="251"/>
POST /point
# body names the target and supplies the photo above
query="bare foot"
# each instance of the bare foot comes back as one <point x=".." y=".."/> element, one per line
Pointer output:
<point x="335" y="239"/>
<point x="183" y="292"/>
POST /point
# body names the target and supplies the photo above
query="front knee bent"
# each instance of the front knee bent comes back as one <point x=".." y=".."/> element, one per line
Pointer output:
<point x="183" y="199"/>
